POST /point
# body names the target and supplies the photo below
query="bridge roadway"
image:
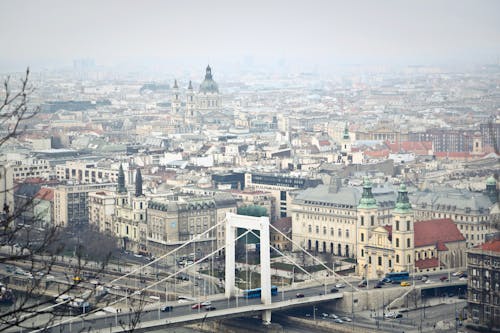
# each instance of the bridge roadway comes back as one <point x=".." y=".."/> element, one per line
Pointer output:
<point x="182" y="313"/>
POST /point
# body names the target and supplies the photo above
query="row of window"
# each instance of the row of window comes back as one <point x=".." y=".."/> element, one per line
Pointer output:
<point x="339" y="232"/>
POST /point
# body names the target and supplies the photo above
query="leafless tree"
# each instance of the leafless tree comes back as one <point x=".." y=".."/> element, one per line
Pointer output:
<point x="28" y="252"/>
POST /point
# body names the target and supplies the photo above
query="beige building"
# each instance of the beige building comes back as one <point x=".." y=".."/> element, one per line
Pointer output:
<point x="71" y="203"/>
<point x="102" y="210"/>
<point x="404" y="245"/>
<point x="88" y="173"/>
<point x="325" y="218"/>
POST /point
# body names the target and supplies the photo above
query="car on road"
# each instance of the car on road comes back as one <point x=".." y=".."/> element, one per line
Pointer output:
<point x="116" y="287"/>
<point x="379" y="285"/>
<point x="334" y="316"/>
<point x="386" y="280"/>
<point x="340" y="285"/>
<point x="425" y="278"/>
<point x="167" y="308"/>
<point x="206" y="303"/>
<point x="338" y="321"/>
<point x="428" y="281"/>
<point x="443" y="278"/>
<point x="457" y="273"/>
<point x="196" y="306"/>
<point x="299" y="295"/>
<point x="463" y="275"/>
<point x="77" y="279"/>
<point x="324" y="315"/>
<point x="393" y="315"/>
<point x="334" y="290"/>
<point x="362" y="284"/>
<point x="210" y="308"/>
<point x="405" y="284"/>
<point x="346" y="319"/>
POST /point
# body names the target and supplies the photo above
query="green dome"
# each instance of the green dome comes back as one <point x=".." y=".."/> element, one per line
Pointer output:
<point x="491" y="181"/>
<point x="403" y="205"/>
<point x="367" y="200"/>
<point x="208" y="85"/>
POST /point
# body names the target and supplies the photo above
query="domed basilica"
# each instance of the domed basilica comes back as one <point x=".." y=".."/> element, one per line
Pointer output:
<point x="197" y="105"/>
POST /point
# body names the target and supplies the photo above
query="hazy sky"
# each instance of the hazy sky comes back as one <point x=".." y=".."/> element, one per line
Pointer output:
<point x="309" y="31"/>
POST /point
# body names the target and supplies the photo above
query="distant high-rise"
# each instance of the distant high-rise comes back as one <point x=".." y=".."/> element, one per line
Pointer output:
<point x="138" y="183"/>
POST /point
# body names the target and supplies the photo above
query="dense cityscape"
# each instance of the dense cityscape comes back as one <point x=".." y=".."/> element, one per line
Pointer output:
<point x="207" y="199"/>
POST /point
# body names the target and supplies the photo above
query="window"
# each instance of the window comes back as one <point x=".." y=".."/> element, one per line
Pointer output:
<point x="397" y="242"/>
<point x="309" y="228"/>
<point x="408" y="243"/>
<point x="362" y="252"/>
<point x="409" y="259"/>
<point x="331" y="231"/>
<point x="340" y="232"/>
<point x="372" y="220"/>
<point x="317" y="229"/>
<point x="380" y="261"/>
<point x="362" y="220"/>
<point x="408" y="225"/>
<point x="397" y="225"/>
<point x="346" y="233"/>
<point x="362" y="237"/>
<point x="390" y="263"/>
<point x="397" y="258"/>
<point x="370" y="260"/>
<point x="324" y="230"/>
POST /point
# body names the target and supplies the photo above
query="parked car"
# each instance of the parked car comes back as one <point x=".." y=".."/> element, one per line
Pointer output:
<point x="333" y="316"/>
<point x="425" y="278"/>
<point x="443" y="278"/>
<point x="338" y="321"/>
<point x="379" y="284"/>
<point x="340" y="285"/>
<point x="362" y="284"/>
<point x="458" y="273"/>
<point x="334" y="290"/>
<point x="299" y="295"/>
<point x="210" y="308"/>
<point x="196" y="306"/>
<point x="347" y="319"/>
<point x="167" y="308"/>
<point x="324" y="315"/>
<point x="405" y="284"/>
<point x="206" y="303"/>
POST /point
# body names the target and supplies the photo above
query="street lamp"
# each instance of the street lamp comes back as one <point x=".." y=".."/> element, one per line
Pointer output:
<point x="314" y="313"/>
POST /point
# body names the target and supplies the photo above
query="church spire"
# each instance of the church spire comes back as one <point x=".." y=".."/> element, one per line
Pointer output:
<point x="346" y="132"/>
<point x="175" y="85"/>
<point x="190" y="87"/>
<point x="121" y="181"/>
<point x="403" y="202"/>
<point x="138" y="183"/>
<point x="367" y="200"/>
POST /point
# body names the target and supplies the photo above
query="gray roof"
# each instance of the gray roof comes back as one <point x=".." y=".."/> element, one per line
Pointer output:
<point x="344" y="196"/>
<point x="451" y="200"/>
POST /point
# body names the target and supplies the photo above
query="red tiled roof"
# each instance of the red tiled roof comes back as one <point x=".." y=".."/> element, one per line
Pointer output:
<point x="377" y="153"/>
<point x="427" y="263"/>
<point x="432" y="232"/>
<point x="45" y="194"/>
<point x="492" y="245"/>
<point x="324" y="143"/>
<point x="417" y="147"/>
<point x="283" y="224"/>
<point x="441" y="247"/>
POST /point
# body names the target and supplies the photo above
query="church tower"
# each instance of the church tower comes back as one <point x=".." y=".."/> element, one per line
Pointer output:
<point x="190" y="104"/>
<point x="477" y="144"/>
<point x="121" y="189"/>
<point x="138" y="183"/>
<point x="403" y="233"/>
<point x="367" y="221"/>
<point x="176" y="99"/>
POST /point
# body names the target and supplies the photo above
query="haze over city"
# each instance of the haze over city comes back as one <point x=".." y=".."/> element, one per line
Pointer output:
<point x="277" y="35"/>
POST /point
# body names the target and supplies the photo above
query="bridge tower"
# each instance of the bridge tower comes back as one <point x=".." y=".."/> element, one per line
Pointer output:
<point x="234" y="221"/>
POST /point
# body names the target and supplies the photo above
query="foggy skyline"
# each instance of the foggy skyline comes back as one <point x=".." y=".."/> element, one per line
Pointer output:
<point x="313" y="33"/>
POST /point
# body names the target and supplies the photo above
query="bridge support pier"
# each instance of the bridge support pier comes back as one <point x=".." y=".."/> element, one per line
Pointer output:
<point x="266" y="317"/>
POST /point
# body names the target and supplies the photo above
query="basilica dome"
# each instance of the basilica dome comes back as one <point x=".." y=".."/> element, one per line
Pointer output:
<point x="209" y="85"/>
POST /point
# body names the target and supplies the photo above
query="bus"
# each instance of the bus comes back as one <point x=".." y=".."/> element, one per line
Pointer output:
<point x="397" y="276"/>
<point x="254" y="293"/>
